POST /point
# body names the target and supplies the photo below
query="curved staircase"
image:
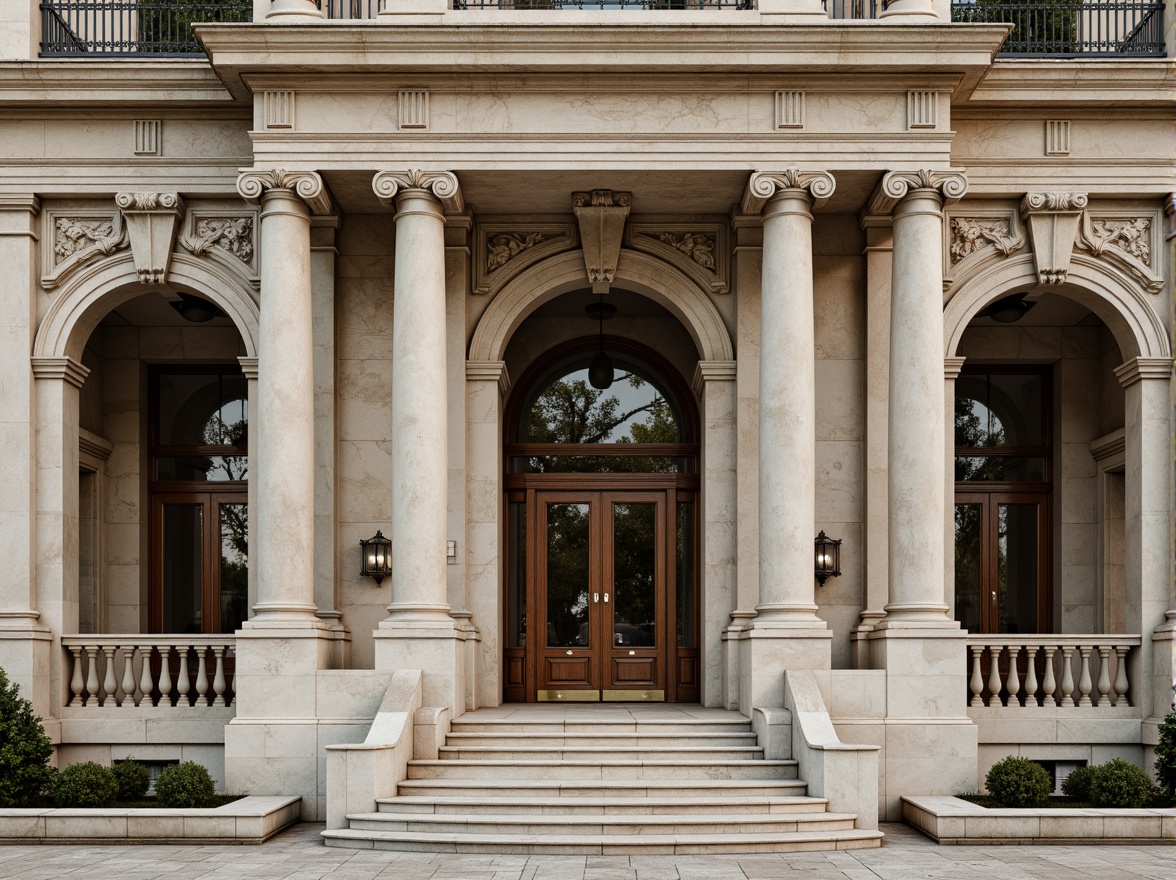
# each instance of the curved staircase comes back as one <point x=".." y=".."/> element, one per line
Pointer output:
<point x="611" y="779"/>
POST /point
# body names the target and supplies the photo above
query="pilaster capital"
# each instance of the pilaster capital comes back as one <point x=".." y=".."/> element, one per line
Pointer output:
<point x="712" y="371"/>
<point x="489" y="371"/>
<point x="952" y="367"/>
<point x="1053" y="203"/>
<point x="61" y="368"/>
<point x="1139" y="368"/>
<point x="248" y="367"/>
<point x="764" y="185"/>
<point x="442" y="185"/>
<point x="307" y="185"/>
<point x="24" y="202"/>
<point x="950" y="186"/>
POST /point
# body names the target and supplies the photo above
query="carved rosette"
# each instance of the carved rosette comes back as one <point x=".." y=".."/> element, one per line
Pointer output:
<point x="764" y="185"/>
<point x="1052" y="218"/>
<point x="443" y="185"/>
<point x="307" y="185"/>
<point x="504" y="249"/>
<point x="151" y="220"/>
<point x="601" y="215"/>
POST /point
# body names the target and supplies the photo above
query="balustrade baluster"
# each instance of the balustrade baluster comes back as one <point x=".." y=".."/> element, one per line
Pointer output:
<point x="1121" y="674"/>
<point x="218" y="679"/>
<point x="146" y="685"/>
<point x="183" y="685"/>
<point x="1084" y="682"/>
<point x="128" y="679"/>
<point x="1031" y="676"/>
<point x="1049" y="686"/>
<point x="76" y="682"/>
<point x="994" y="675"/>
<point x="109" y="697"/>
<point x="233" y="680"/>
<point x="1014" y="678"/>
<point x="201" y="677"/>
<point x="1104" y="675"/>
<point x="977" y="683"/>
<point x="165" y="679"/>
<point x="91" y="675"/>
<point x="1067" y="676"/>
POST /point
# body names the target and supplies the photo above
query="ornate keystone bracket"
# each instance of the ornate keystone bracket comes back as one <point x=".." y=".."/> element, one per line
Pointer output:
<point x="601" y="215"/>
<point x="442" y="185"/>
<point x="76" y="237"/>
<point x="504" y="249"/>
<point x="151" y="221"/>
<point x="897" y="185"/>
<point x="1052" y="219"/>
<point x="698" y="249"/>
<point x="764" y="185"/>
<point x="307" y="185"/>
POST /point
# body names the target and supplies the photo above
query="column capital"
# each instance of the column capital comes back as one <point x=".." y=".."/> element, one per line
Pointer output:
<point x="1140" y="368"/>
<point x="24" y="202"/>
<point x="307" y="185"/>
<point x="60" y="368"/>
<point x="952" y="367"/>
<point x="248" y="366"/>
<point x="712" y="371"/>
<point x="442" y="185"/>
<point x="489" y="371"/>
<point x="765" y="185"/>
<point x="950" y="186"/>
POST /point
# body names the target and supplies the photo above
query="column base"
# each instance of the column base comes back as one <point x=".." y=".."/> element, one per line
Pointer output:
<point x="1163" y="671"/>
<point x="909" y="12"/>
<point x="25" y="647"/>
<point x="767" y="648"/>
<point x="288" y="11"/>
<point x="436" y="647"/>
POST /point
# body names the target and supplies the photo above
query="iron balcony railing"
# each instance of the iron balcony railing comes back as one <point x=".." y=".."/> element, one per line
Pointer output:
<point x="604" y="4"/>
<point x="85" y="28"/>
<point x="1072" y="28"/>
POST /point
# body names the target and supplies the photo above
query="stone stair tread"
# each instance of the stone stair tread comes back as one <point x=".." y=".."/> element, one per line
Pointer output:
<point x="520" y="762"/>
<point x="526" y="736"/>
<point x="603" y="750"/>
<point x="557" y="819"/>
<point x="629" y="803"/>
<point x="616" y="784"/>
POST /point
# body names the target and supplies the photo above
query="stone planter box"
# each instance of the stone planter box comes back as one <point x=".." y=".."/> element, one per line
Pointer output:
<point x="248" y="820"/>
<point x="956" y="821"/>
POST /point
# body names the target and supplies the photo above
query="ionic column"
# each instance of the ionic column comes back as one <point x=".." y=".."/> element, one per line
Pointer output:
<point x="952" y="366"/>
<point x="284" y="461"/>
<point x="917" y="483"/>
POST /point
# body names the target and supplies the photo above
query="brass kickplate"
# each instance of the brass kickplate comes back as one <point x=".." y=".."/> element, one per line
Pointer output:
<point x="633" y="696"/>
<point x="568" y="696"/>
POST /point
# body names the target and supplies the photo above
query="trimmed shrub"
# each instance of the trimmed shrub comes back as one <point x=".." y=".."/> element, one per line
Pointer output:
<point x="133" y="780"/>
<point x="185" y="785"/>
<point x="85" y="785"/>
<point x="1018" y="782"/>
<point x="1119" y="784"/>
<point x="1077" y="784"/>
<point x="24" y="748"/>
<point x="1166" y="756"/>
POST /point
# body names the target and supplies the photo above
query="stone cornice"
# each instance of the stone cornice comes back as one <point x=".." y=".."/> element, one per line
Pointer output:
<point x="1088" y="82"/>
<point x="489" y="371"/>
<point x="65" y="368"/>
<point x="1140" y="368"/>
<point x="713" y="371"/>
<point x="126" y="81"/>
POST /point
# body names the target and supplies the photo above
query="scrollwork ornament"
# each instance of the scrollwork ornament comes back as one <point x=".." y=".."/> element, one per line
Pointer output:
<point x="307" y="185"/>
<point x="443" y="185"/>
<point x="1055" y="201"/>
<point x="764" y="185"/>
<point x="602" y="198"/>
<point x="950" y="185"/>
<point x="147" y="201"/>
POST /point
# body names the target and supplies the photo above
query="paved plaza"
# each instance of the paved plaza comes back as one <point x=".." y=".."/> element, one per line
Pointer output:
<point x="298" y="854"/>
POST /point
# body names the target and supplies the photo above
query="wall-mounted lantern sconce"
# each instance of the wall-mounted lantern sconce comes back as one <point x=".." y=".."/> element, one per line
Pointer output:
<point x="377" y="557"/>
<point x="828" y="561"/>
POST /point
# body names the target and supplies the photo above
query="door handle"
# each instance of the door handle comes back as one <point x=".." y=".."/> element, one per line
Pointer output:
<point x="569" y="653"/>
<point x="606" y="598"/>
<point x="596" y="597"/>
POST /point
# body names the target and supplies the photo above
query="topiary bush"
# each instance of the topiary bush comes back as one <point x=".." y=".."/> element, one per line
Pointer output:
<point x="1077" y="784"/>
<point x="1018" y="782"/>
<point x="24" y="748"/>
<point x="185" y="785"/>
<point x="85" y="785"/>
<point x="133" y="780"/>
<point x="1166" y="756"/>
<point x="1119" y="784"/>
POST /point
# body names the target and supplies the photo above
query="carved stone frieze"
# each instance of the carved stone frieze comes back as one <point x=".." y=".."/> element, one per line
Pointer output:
<point x="1128" y="240"/>
<point x="233" y="235"/>
<point x="77" y="236"/>
<point x="504" y="247"/>
<point x="1130" y="235"/>
<point x="601" y="215"/>
<point x="976" y="234"/>
<point x="1052" y="219"/>
<point x="442" y="184"/>
<point x="698" y="248"/>
<point x="970" y="234"/>
<point x="151" y="220"/>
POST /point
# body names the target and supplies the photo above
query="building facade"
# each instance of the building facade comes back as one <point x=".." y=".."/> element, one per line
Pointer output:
<point x="602" y="316"/>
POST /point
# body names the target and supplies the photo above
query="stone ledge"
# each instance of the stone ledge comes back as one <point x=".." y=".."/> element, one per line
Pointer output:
<point x="250" y="820"/>
<point x="952" y="820"/>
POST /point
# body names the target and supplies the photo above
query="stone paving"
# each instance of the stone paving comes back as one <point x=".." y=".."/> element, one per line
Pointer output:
<point x="298" y="854"/>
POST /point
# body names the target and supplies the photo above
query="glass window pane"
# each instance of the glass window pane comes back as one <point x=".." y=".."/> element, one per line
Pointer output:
<point x="569" y="410"/>
<point x="687" y="625"/>
<point x="969" y="585"/>
<point x="234" y="566"/>
<point x="516" y="576"/>
<point x="183" y="568"/>
<point x="1017" y="568"/>
<point x="635" y="574"/>
<point x="1000" y="468"/>
<point x="202" y="468"/>
<point x="202" y="409"/>
<point x="567" y="575"/>
<point x="600" y="464"/>
<point x="999" y="409"/>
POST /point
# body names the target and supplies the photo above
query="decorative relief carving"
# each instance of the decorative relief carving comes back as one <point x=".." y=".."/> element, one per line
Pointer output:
<point x="602" y="198"/>
<point x="151" y="219"/>
<point x="307" y="185"/>
<point x="233" y="235"/>
<point x="1130" y="236"/>
<point x="146" y="201"/>
<point x="148" y="137"/>
<point x="1057" y="137"/>
<point x="1054" y="201"/>
<point x="442" y="184"/>
<point x="763" y="185"/>
<point x="700" y="247"/>
<point x="1126" y="239"/>
<point x="502" y="248"/>
<point x="74" y="235"/>
<point x="970" y="234"/>
<point x="601" y="215"/>
<point x="1053" y="227"/>
<point x="505" y="247"/>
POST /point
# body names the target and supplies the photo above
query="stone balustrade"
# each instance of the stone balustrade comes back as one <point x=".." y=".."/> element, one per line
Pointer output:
<point x="1050" y="670"/>
<point x="176" y="671"/>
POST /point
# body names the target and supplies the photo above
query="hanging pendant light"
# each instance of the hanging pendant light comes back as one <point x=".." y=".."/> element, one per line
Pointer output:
<point x="600" y="371"/>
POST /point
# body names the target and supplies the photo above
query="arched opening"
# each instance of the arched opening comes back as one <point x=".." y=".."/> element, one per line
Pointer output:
<point x="601" y="575"/>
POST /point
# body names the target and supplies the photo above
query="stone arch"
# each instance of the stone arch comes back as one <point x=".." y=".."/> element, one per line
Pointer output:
<point x="92" y="291"/>
<point x="641" y="273"/>
<point x="1119" y="303"/>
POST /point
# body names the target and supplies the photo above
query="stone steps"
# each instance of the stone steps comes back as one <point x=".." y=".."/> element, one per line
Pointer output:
<point x="588" y="769"/>
<point x="583" y="753"/>
<point x="616" y="805"/>
<point x="621" y="789"/>
<point x="608" y="739"/>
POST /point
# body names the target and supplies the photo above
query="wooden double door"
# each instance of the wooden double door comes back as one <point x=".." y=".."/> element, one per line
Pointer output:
<point x="607" y="619"/>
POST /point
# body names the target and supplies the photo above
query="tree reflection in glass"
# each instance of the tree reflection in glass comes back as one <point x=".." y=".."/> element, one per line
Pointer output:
<point x="634" y="574"/>
<point x="567" y="575"/>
